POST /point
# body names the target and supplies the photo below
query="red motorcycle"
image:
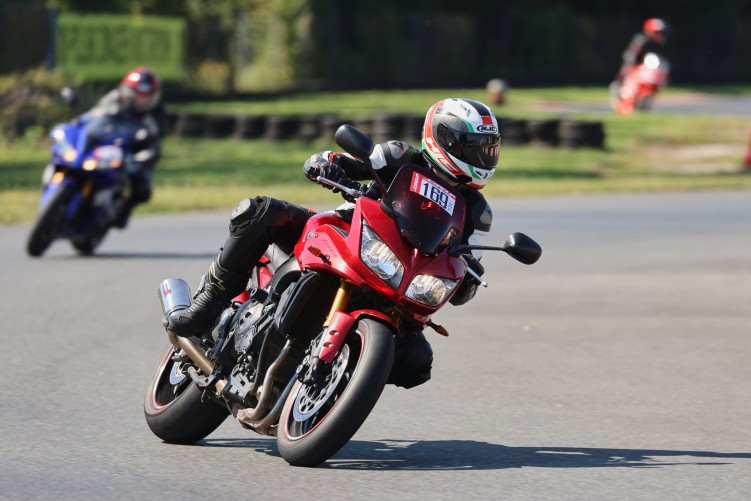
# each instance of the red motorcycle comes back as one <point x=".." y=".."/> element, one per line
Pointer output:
<point x="305" y="353"/>
<point x="640" y="85"/>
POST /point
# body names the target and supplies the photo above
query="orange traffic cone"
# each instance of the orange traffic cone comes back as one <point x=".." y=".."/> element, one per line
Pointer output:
<point x="747" y="160"/>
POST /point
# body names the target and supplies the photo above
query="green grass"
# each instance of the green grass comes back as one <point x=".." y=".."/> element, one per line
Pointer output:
<point x="646" y="152"/>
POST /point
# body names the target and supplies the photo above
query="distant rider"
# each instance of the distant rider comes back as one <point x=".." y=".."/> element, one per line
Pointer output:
<point x="138" y="98"/>
<point x="460" y="143"/>
<point x="653" y="36"/>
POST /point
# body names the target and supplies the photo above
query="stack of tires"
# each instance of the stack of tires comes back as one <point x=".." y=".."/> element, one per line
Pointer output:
<point x="381" y="127"/>
<point x="513" y="131"/>
<point x="582" y="134"/>
<point x="544" y="132"/>
<point x="251" y="126"/>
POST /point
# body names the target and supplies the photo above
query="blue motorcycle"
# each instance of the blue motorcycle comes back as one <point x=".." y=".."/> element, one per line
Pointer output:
<point x="86" y="185"/>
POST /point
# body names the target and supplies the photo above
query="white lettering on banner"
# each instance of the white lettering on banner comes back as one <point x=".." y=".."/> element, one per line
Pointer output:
<point x="433" y="192"/>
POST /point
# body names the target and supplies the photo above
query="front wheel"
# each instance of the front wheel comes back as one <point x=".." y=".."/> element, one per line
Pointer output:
<point x="49" y="223"/>
<point x="645" y="102"/>
<point x="317" y="421"/>
<point x="173" y="406"/>
<point x="85" y="245"/>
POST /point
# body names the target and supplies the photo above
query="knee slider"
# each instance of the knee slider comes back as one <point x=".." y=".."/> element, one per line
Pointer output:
<point x="244" y="212"/>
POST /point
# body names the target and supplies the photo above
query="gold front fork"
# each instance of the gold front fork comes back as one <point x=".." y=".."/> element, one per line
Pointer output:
<point x="340" y="301"/>
<point x="88" y="188"/>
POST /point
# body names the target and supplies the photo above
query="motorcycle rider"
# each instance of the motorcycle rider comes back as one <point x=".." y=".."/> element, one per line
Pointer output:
<point x="653" y="36"/>
<point x="138" y="98"/>
<point x="460" y="143"/>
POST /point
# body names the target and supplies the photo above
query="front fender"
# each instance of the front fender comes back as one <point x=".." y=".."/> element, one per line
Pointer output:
<point x="340" y="325"/>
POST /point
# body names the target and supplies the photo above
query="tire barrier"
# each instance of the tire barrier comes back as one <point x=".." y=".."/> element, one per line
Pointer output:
<point x="513" y="131"/>
<point x="281" y="127"/>
<point x="544" y="132"/>
<point x="364" y="124"/>
<point x="310" y="128"/>
<point x="220" y="126"/>
<point x="250" y="126"/>
<point x="387" y="126"/>
<point x="582" y="134"/>
<point x="380" y="126"/>
<point x="190" y="125"/>
<point x="329" y="124"/>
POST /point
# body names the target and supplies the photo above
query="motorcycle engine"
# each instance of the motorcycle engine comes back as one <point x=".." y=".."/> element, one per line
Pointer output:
<point x="249" y="330"/>
<point x="250" y="319"/>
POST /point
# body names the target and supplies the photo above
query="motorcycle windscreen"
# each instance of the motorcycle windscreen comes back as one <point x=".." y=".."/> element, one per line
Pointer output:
<point x="428" y="211"/>
<point x="108" y="129"/>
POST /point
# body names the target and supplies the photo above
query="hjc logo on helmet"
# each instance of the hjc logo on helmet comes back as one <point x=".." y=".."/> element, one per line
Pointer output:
<point x="491" y="129"/>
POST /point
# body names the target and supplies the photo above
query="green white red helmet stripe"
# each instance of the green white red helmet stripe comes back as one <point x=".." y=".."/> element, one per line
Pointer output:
<point x="429" y="144"/>
<point x="459" y="137"/>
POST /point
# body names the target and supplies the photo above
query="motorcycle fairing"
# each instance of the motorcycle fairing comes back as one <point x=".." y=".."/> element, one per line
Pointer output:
<point x="331" y="244"/>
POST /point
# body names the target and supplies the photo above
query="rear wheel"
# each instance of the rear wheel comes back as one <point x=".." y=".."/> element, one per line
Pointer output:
<point x="317" y="421"/>
<point x="173" y="407"/>
<point x="49" y="223"/>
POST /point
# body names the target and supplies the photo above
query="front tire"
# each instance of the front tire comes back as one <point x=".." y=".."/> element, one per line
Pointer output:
<point x="644" y="103"/>
<point x="316" y="422"/>
<point x="50" y="221"/>
<point x="173" y="407"/>
<point x="86" y="245"/>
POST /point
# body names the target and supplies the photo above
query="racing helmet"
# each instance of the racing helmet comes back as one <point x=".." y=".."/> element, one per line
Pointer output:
<point x="460" y="137"/>
<point x="141" y="89"/>
<point x="656" y="28"/>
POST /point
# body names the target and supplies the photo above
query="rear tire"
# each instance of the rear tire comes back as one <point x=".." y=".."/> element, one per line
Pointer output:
<point x="49" y="222"/>
<point x="316" y="422"/>
<point x="173" y="407"/>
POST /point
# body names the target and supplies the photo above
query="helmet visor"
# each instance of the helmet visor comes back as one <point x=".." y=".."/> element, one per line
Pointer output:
<point x="478" y="150"/>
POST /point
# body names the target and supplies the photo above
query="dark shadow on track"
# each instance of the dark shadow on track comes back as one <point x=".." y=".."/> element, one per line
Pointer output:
<point x="137" y="255"/>
<point x="473" y="455"/>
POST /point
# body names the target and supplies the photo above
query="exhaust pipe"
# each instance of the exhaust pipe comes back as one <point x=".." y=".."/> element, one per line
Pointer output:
<point x="174" y="294"/>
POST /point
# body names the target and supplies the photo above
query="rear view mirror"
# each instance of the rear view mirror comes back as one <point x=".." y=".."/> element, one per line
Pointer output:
<point x="69" y="96"/>
<point x="354" y="141"/>
<point x="522" y="248"/>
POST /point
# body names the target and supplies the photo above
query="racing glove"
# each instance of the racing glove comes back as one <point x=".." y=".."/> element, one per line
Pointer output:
<point x="320" y="165"/>
<point x="468" y="287"/>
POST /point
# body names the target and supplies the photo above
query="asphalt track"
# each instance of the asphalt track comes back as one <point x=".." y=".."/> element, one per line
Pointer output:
<point x="615" y="368"/>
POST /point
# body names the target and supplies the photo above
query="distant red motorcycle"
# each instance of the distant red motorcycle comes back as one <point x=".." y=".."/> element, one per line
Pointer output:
<point x="640" y="86"/>
<point x="306" y="356"/>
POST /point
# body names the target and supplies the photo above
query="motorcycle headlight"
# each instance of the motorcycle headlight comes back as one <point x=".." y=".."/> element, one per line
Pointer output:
<point x="69" y="153"/>
<point x="89" y="164"/>
<point x="378" y="257"/>
<point x="430" y="290"/>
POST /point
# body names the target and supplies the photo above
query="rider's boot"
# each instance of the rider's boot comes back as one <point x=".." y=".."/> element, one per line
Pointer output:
<point x="254" y="224"/>
<point x="220" y="286"/>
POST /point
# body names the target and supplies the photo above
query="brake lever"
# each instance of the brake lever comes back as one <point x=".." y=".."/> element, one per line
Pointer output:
<point x="349" y="191"/>
<point x="474" y="274"/>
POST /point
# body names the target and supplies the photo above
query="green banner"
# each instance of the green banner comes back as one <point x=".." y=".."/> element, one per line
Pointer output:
<point x="105" y="47"/>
